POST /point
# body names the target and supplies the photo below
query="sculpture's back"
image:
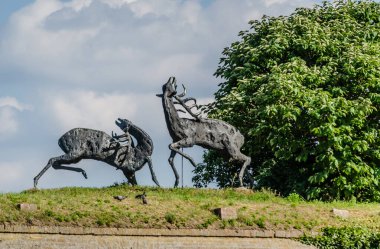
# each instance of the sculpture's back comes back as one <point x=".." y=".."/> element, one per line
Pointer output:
<point x="214" y="134"/>
<point x="86" y="142"/>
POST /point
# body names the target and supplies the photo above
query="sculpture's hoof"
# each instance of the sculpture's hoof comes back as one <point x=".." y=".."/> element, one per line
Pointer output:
<point x="84" y="174"/>
<point x="156" y="182"/>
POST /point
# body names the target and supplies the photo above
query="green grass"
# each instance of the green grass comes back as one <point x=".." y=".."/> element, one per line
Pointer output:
<point x="180" y="208"/>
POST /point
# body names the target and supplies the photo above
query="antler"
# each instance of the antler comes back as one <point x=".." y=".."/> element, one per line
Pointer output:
<point x="114" y="135"/>
<point x="179" y="110"/>
<point x="187" y="100"/>
<point x="188" y="108"/>
<point x="183" y="93"/>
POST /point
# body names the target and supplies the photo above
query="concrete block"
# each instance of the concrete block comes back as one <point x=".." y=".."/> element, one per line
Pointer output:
<point x="288" y="234"/>
<point x="264" y="234"/>
<point x="341" y="213"/>
<point x="226" y="213"/>
<point x="28" y="207"/>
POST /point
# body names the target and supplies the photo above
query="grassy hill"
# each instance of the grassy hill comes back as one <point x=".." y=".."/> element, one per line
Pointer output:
<point x="180" y="208"/>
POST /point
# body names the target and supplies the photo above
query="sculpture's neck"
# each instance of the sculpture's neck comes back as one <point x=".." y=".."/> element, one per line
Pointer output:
<point x="171" y="114"/>
<point x="143" y="139"/>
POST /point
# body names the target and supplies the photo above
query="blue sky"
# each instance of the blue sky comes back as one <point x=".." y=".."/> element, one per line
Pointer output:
<point x="7" y="7"/>
<point x="84" y="63"/>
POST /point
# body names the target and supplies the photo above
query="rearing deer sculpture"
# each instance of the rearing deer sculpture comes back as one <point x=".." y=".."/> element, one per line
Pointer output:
<point x="81" y="143"/>
<point x="205" y="132"/>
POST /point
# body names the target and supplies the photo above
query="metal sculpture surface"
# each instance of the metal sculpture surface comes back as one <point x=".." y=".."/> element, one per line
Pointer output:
<point x="118" y="151"/>
<point x="205" y="132"/>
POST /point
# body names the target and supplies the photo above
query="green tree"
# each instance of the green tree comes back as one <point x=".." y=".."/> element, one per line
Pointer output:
<point x="305" y="91"/>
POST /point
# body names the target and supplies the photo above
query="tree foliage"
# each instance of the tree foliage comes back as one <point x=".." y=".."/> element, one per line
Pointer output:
<point x="305" y="91"/>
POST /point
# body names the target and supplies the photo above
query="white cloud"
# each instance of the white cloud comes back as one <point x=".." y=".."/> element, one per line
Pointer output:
<point x="34" y="14"/>
<point x="13" y="103"/>
<point x="8" y="122"/>
<point x="12" y="173"/>
<point x="91" y="110"/>
<point x="91" y="42"/>
<point x="277" y="4"/>
<point x="160" y="8"/>
<point x="118" y="3"/>
<point x="77" y="5"/>
<point x="9" y="109"/>
<point x="271" y="2"/>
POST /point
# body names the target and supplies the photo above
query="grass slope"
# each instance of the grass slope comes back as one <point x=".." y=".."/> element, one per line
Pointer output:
<point x="179" y="208"/>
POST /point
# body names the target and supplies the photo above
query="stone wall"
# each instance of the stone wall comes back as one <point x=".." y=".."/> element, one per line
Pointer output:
<point x="57" y="241"/>
<point x="69" y="238"/>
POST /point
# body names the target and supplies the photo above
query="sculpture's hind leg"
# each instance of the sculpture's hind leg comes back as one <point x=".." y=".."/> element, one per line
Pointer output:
<point x="247" y="161"/>
<point x="56" y="162"/>
<point x="68" y="159"/>
<point x="149" y="160"/>
<point x="236" y="155"/>
<point x="131" y="177"/>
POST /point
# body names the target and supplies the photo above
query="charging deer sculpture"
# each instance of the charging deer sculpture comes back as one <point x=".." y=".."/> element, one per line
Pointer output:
<point x="205" y="132"/>
<point x="82" y="143"/>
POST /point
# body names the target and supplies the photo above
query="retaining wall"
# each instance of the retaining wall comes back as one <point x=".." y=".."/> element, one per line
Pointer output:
<point x="77" y="237"/>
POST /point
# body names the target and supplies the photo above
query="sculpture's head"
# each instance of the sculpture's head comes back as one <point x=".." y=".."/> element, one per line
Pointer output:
<point x="123" y="124"/>
<point x="169" y="88"/>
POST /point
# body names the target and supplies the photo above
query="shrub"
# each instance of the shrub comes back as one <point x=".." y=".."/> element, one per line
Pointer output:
<point x="170" y="218"/>
<point x="345" y="238"/>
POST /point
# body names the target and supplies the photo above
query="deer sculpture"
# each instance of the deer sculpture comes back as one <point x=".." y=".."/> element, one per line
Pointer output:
<point x="205" y="132"/>
<point x="82" y="143"/>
